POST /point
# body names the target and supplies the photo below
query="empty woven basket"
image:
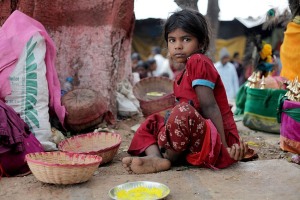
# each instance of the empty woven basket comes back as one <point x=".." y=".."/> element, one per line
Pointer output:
<point x="62" y="168"/>
<point x="155" y="94"/>
<point x="104" y="144"/>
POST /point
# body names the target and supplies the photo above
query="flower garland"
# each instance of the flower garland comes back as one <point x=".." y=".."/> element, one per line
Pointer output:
<point x="266" y="53"/>
<point x="265" y="63"/>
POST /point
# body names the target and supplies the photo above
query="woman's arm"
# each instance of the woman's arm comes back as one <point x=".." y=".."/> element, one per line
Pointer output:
<point x="210" y="109"/>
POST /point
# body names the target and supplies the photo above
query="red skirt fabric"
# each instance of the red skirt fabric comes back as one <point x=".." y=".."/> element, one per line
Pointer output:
<point x="185" y="131"/>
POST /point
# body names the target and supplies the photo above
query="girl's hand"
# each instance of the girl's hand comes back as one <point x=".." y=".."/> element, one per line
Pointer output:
<point x="237" y="152"/>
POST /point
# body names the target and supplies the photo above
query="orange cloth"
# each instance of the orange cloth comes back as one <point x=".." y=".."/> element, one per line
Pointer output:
<point x="290" y="52"/>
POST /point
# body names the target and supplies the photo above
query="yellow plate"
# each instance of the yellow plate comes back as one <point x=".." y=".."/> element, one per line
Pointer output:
<point x="139" y="190"/>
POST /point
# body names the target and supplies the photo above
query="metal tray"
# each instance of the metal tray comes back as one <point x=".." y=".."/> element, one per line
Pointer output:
<point x="139" y="190"/>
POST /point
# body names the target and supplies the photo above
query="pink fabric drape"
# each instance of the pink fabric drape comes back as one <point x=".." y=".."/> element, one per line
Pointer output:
<point x="14" y="34"/>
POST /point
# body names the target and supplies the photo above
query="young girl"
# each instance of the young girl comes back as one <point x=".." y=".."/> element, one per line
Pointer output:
<point x="200" y="129"/>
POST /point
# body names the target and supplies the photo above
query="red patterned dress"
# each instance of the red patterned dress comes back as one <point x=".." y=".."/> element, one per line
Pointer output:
<point x="186" y="130"/>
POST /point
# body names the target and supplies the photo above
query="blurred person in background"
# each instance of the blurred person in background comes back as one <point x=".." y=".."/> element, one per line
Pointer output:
<point x="142" y="69"/>
<point x="159" y="58"/>
<point x="228" y="74"/>
<point x="135" y="58"/>
<point x="152" y="66"/>
<point x="167" y="70"/>
<point x="236" y="61"/>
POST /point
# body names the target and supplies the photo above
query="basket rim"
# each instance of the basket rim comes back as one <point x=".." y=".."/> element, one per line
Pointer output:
<point x="97" y="159"/>
<point x="76" y="137"/>
<point x="165" y="97"/>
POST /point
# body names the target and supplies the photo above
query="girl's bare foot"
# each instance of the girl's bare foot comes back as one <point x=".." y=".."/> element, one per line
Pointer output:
<point x="145" y="165"/>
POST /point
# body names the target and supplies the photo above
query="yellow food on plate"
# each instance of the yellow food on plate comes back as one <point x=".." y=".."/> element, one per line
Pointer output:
<point x="139" y="193"/>
<point x="155" y="94"/>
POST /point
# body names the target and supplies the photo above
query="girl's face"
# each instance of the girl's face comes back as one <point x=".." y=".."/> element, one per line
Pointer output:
<point x="181" y="45"/>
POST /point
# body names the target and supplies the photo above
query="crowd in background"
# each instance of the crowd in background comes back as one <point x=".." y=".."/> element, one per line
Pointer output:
<point x="156" y="65"/>
<point x="233" y="71"/>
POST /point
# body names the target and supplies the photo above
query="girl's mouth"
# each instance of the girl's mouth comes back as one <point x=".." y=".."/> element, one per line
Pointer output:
<point x="179" y="55"/>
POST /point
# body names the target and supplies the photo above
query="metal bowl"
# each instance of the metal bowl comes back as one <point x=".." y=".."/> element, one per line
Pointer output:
<point x="127" y="187"/>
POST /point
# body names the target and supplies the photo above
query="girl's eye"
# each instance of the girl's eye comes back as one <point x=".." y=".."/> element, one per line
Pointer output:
<point x="171" y="40"/>
<point x="186" y="39"/>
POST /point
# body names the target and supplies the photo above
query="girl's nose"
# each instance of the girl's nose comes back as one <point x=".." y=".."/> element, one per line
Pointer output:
<point x="178" y="45"/>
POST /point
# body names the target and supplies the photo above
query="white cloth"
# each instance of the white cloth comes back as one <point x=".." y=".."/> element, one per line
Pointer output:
<point x="127" y="103"/>
<point x="136" y="77"/>
<point x="160" y="64"/>
<point x="229" y="78"/>
<point x="167" y="69"/>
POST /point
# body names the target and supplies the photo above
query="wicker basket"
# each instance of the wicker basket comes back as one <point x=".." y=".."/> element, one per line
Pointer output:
<point x="84" y="109"/>
<point x="104" y="144"/>
<point x="62" y="168"/>
<point x="154" y="104"/>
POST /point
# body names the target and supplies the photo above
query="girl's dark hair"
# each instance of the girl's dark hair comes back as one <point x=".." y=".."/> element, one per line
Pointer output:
<point x="191" y="22"/>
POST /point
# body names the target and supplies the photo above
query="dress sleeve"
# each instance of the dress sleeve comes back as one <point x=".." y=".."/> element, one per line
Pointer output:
<point x="201" y="71"/>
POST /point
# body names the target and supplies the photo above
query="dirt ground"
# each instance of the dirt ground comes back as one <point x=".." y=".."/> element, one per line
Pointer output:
<point x="112" y="174"/>
<point x="265" y="144"/>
